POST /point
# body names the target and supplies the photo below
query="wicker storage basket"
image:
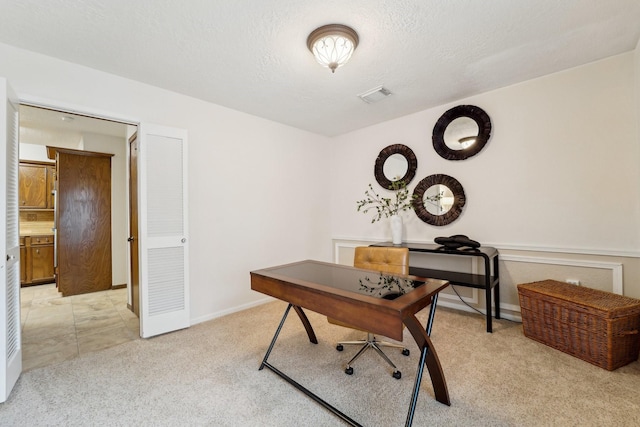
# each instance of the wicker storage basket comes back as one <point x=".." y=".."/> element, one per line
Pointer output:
<point x="595" y="326"/>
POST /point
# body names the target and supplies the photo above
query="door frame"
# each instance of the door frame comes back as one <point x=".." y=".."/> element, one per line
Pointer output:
<point x="83" y="110"/>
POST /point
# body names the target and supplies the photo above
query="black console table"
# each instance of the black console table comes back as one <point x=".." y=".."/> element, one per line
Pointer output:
<point x="484" y="281"/>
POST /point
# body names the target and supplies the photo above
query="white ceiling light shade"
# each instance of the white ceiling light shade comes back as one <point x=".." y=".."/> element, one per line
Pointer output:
<point x="332" y="45"/>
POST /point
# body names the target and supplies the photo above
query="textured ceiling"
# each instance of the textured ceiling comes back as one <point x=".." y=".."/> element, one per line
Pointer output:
<point x="251" y="55"/>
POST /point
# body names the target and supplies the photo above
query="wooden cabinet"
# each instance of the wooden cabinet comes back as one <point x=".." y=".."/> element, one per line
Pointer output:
<point x="36" y="255"/>
<point x="36" y="182"/>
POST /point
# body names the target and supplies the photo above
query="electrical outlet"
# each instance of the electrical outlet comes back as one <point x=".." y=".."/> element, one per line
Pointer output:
<point x="574" y="282"/>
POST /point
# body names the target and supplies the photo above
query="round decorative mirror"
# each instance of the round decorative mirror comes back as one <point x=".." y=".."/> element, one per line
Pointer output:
<point x="438" y="199"/>
<point x="395" y="163"/>
<point x="461" y="132"/>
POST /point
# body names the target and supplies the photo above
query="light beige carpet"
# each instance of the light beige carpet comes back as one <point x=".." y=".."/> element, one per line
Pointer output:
<point x="208" y="375"/>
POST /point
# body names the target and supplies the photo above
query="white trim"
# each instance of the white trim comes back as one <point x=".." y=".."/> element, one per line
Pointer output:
<point x="509" y="316"/>
<point x="454" y="296"/>
<point x="578" y="251"/>
<point x="508" y="246"/>
<point x="82" y="110"/>
<point x="232" y="310"/>
<point x="338" y="245"/>
<point x="616" y="268"/>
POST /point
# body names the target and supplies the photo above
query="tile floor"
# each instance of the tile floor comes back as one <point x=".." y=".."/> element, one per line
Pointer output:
<point x="55" y="329"/>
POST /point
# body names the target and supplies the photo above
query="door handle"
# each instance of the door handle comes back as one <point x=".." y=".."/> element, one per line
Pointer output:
<point x="131" y="239"/>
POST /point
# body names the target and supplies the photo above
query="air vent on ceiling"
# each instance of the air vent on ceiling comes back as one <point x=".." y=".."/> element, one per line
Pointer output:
<point x="375" y="94"/>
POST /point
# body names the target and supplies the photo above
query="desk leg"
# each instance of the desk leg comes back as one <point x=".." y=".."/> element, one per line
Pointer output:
<point x="307" y="324"/>
<point x="429" y="358"/>
<point x="275" y="337"/>
<point x="312" y="338"/>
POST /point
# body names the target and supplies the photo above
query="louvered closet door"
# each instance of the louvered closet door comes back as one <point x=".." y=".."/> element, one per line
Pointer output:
<point x="163" y="242"/>
<point x="10" y="343"/>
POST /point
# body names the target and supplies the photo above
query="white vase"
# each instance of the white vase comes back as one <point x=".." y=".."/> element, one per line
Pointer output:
<point x="396" y="229"/>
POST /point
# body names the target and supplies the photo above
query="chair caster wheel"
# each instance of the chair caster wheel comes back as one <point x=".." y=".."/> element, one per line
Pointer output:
<point x="339" y="347"/>
<point x="349" y="371"/>
<point x="397" y="375"/>
<point x="405" y="352"/>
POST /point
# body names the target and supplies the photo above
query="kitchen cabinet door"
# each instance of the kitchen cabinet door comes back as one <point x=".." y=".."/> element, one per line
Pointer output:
<point x="32" y="187"/>
<point x="42" y="263"/>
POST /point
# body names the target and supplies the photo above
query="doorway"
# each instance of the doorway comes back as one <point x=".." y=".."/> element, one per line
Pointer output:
<point x="52" y="325"/>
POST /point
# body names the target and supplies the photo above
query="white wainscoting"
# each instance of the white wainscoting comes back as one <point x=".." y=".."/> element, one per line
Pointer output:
<point x="343" y="254"/>
<point x="615" y="268"/>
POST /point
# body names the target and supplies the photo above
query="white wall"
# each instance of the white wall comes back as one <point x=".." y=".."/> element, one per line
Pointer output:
<point x="559" y="175"/>
<point x="258" y="190"/>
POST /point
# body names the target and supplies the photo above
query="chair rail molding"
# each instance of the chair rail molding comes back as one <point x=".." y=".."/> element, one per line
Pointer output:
<point x="516" y="247"/>
<point x="615" y="267"/>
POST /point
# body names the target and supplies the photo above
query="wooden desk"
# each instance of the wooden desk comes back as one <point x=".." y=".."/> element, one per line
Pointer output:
<point x="334" y="290"/>
<point x="486" y="281"/>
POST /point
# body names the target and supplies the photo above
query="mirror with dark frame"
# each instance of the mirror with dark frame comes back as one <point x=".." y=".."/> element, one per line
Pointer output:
<point x="395" y="163"/>
<point x="461" y="132"/>
<point x="438" y="199"/>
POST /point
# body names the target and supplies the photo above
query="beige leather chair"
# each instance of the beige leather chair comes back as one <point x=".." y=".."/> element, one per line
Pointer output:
<point x="391" y="260"/>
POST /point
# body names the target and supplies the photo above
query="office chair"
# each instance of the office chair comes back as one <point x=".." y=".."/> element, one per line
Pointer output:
<point x="392" y="260"/>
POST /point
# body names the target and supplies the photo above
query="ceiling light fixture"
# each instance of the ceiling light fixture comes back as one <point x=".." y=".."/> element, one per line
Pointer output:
<point x="332" y="45"/>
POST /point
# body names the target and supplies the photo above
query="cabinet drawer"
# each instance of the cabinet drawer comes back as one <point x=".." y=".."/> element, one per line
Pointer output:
<point x="41" y="240"/>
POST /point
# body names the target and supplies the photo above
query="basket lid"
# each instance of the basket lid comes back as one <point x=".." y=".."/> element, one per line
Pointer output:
<point x="613" y="304"/>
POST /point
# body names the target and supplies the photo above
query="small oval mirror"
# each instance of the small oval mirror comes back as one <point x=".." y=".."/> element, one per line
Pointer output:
<point x="395" y="163"/>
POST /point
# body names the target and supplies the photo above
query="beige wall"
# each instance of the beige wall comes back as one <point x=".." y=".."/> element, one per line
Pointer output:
<point x="556" y="189"/>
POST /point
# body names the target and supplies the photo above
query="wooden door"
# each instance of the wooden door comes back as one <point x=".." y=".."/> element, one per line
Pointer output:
<point x="10" y="339"/>
<point x="83" y="221"/>
<point x="133" y="225"/>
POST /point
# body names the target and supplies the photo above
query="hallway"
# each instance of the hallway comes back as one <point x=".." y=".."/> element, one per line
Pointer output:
<point x="55" y="329"/>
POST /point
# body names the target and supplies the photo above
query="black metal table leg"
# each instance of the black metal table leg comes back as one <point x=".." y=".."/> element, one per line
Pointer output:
<point x="496" y="291"/>
<point x="275" y="337"/>
<point x="312" y="338"/>
<point x="429" y="359"/>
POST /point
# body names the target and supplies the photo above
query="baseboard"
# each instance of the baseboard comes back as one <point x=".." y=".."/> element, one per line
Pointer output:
<point x="221" y="313"/>
<point x="124" y="285"/>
